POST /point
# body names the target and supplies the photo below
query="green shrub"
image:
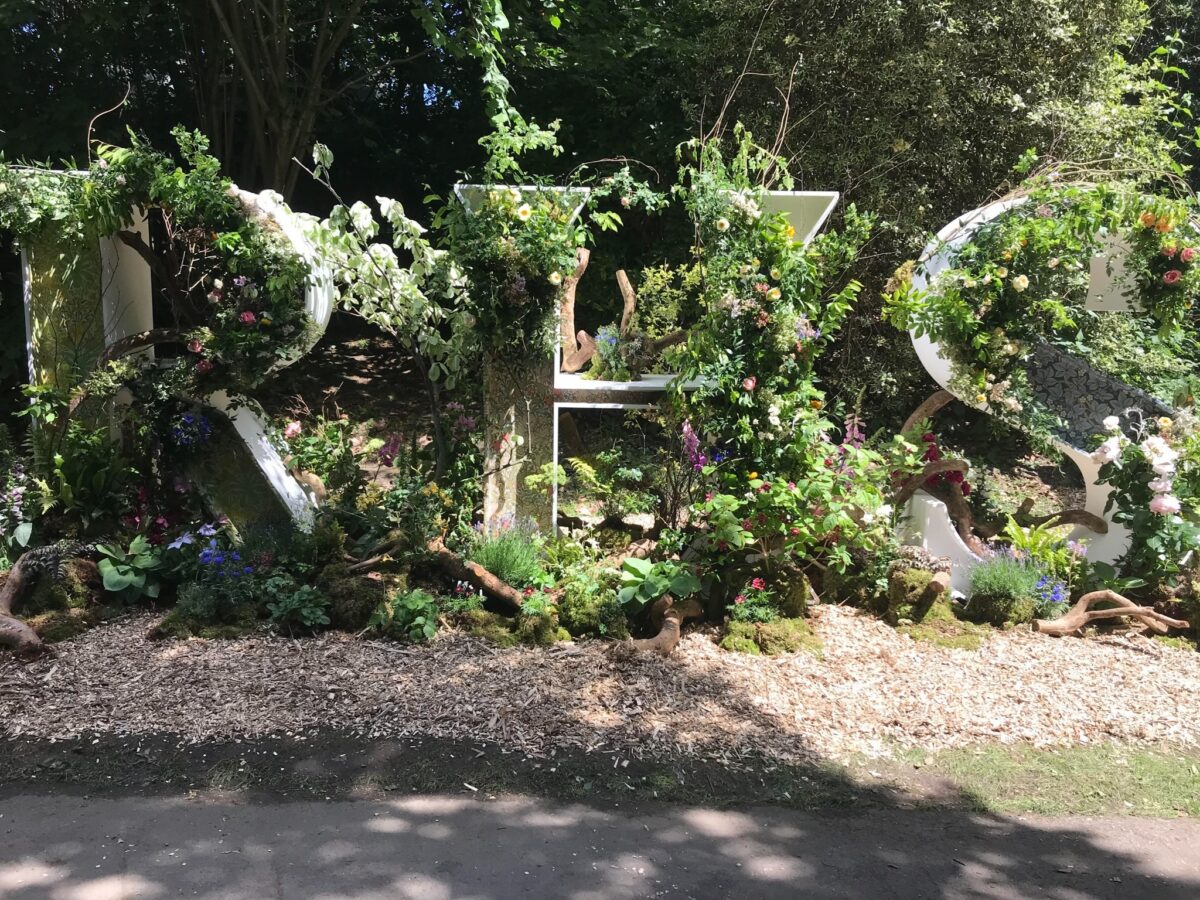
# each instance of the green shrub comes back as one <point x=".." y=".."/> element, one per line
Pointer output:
<point x="512" y="555"/>
<point x="754" y="604"/>
<point x="409" y="614"/>
<point x="1003" y="591"/>
<point x="589" y="604"/>
<point x="131" y="573"/>
<point x="304" y="608"/>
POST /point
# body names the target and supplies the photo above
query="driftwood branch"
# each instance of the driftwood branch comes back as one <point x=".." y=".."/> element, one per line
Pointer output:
<point x="1074" y="621"/>
<point x="14" y="633"/>
<point x="1088" y="520"/>
<point x="566" y="308"/>
<point x="671" y="615"/>
<point x="630" y="301"/>
<point x="474" y="574"/>
<point x="579" y="357"/>
<point x="926" y="410"/>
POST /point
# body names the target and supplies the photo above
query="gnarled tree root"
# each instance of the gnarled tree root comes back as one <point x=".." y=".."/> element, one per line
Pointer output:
<point x="926" y="410"/>
<point x="671" y="616"/>
<point x="1081" y="615"/>
<point x="14" y="633"/>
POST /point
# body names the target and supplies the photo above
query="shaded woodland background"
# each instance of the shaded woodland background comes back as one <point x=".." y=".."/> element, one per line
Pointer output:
<point x="916" y="110"/>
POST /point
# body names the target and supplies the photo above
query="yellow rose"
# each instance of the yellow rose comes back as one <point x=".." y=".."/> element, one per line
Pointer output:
<point x="753" y="475"/>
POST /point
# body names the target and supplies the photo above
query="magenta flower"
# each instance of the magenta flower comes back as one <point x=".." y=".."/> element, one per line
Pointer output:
<point x="750" y="383"/>
<point x="292" y="429"/>
<point x="758" y="584"/>
<point x="248" y="318"/>
<point x="204" y="366"/>
<point x="194" y="346"/>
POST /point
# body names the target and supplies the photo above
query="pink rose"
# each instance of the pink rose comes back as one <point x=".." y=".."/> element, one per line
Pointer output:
<point x="204" y="366"/>
<point x="1188" y="254"/>
<point x="194" y="346"/>
<point x="758" y="584"/>
<point x="1172" y="276"/>
<point x="739" y="599"/>
<point x="750" y="383"/>
<point x="292" y="429"/>
<point x="248" y="318"/>
<point x="1164" y="504"/>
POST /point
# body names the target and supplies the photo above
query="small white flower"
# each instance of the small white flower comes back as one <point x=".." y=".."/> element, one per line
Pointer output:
<point x="1020" y="284"/>
<point x="361" y="218"/>
<point x="1112" y="423"/>
<point x="1107" y="452"/>
<point x="1052" y="262"/>
<point x="885" y="511"/>
<point x="722" y="224"/>
<point x="556" y="278"/>
<point x="218" y="284"/>
<point x="514" y="195"/>
<point x="524" y="211"/>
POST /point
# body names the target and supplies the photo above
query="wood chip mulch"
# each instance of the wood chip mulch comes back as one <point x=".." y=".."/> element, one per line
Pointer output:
<point x="872" y="690"/>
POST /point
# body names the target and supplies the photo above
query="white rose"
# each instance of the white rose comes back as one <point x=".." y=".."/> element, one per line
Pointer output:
<point x="1020" y="284"/>
<point x="1112" y="423"/>
<point x="1107" y="452"/>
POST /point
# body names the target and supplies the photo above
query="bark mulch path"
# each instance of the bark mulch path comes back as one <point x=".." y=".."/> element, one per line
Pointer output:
<point x="873" y="689"/>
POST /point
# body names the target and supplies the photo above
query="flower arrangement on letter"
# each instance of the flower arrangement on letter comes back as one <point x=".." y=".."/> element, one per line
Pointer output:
<point x="1154" y="469"/>
<point x="1023" y="278"/>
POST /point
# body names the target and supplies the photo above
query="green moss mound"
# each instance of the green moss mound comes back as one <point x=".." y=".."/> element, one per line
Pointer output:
<point x="792" y="591"/>
<point x="771" y="638"/>
<point x="180" y="624"/>
<point x="490" y="626"/>
<point x="352" y="598"/>
<point x="1000" y="609"/>
<point x="64" y="624"/>
<point x="948" y="633"/>
<point x="540" y="630"/>
<point x="590" y="609"/>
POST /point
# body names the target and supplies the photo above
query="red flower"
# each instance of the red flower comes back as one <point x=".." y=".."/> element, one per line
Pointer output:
<point x="955" y="477"/>
<point x="204" y="366"/>
<point x="248" y="318"/>
<point x="929" y="437"/>
<point x="1172" y="276"/>
<point x="966" y="489"/>
<point x="194" y="346"/>
<point x="758" y="584"/>
<point x="739" y="599"/>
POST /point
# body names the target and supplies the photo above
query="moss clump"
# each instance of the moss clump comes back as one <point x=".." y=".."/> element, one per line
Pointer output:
<point x="737" y="644"/>
<point x="787" y="636"/>
<point x="64" y="624"/>
<point x="181" y="625"/>
<point x="490" y="626"/>
<point x="951" y="634"/>
<point x="540" y="630"/>
<point x="79" y="589"/>
<point x="771" y="638"/>
<point x="1001" y="609"/>
<point x="352" y="598"/>
<point x="588" y="609"/>
<point x="907" y="594"/>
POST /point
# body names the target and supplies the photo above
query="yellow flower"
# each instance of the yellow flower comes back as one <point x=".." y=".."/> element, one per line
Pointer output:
<point x="1024" y="242"/>
<point x="556" y="278"/>
<point x="722" y="224"/>
<point x="753" y="475"/>
<point x="265" y="319"/>
<point x="1002" y="272"/>
<point x="1008" y="254"/>
<point x="1164" y="422"/>
<point x="774" y="294"/>
<point x="776" y="274"/>
<point x="524" y="211"/>
<point x="756" y="262"/>
<point x="981" y="399"/>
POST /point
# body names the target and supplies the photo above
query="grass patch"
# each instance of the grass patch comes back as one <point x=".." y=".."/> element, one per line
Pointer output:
<point x="1099" y="780"/>
<point x="953" y="634"/>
